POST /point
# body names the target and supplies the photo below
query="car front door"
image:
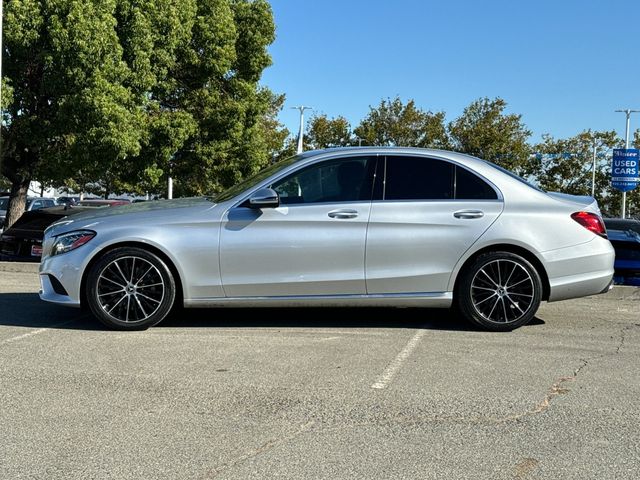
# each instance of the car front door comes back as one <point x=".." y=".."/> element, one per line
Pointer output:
<point x="429" y="213"/>
<point x="312" y="244"/>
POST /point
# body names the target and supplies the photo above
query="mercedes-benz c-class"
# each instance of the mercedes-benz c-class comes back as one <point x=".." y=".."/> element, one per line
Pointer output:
<point x="339" y="227"/>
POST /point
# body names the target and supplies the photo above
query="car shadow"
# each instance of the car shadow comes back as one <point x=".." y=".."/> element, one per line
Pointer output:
<point x="27" y="310"/>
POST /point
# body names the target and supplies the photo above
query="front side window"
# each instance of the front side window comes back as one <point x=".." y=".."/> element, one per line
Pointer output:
<point x="345" y="180"/>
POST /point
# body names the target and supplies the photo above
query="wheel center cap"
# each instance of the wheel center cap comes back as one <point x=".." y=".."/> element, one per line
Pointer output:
<point x="501" y="292"/>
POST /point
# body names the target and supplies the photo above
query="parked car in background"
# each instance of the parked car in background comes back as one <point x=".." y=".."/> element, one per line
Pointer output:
<point x="624" y="235"/>
<point x="348" y="226"/>
<point x="68" y="200"/>
<point x="33" y="203"/>
<point x="23" y="241"/>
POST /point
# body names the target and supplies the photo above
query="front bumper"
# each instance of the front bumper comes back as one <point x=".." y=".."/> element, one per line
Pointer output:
<point x="67" y="270"/>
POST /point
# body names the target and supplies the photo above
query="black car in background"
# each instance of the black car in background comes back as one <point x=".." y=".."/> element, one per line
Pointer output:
<point x="23" y="241"/>
<point x="624" y="235"/>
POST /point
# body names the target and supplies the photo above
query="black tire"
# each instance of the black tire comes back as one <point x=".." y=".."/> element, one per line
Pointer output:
<point x="130" y="288"/>
<point x="499" y="291"/>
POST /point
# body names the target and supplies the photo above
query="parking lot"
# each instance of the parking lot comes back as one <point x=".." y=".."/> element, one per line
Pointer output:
<point x="290" y="393"/>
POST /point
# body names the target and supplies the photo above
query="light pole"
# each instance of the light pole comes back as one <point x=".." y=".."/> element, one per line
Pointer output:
<point x="593" y="173"/>
<point x="302" y="108"/>
<point x="1" y="50"/>
<point x="628" y="112"/>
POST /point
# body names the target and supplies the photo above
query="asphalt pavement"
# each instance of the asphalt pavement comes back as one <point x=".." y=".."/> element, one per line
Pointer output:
<point x="318" y="393"/>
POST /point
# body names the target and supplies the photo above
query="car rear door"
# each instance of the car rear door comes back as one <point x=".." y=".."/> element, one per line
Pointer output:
<point x="429" y="213"/>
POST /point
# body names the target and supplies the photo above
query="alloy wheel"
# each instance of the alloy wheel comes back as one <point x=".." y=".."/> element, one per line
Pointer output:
<point x="130" y="289"/>
<point x="502" y="291"/>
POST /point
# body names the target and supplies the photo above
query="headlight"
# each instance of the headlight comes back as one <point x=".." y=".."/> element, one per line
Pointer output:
<point x="70" y="241"/>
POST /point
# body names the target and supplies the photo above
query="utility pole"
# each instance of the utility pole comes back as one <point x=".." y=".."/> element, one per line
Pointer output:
<point x="1" y="51"/>
<point x="628" y="112"/>
<point x="593" y="173"/>
<point x="302" y="108"/>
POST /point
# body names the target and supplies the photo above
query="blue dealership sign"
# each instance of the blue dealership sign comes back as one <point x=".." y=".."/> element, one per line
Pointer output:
<point x="625" y="171"/>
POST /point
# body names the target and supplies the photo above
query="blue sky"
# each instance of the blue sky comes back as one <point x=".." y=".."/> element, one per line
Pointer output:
<point x="565" y="65"/>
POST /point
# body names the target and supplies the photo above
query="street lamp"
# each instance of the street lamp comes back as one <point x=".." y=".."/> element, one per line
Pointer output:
<point x="628" y="112"/>
<point x="302" y="108"/>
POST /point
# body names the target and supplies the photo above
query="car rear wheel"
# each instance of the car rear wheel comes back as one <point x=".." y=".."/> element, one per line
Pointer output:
<point x="499" y="291"/>
<point x="130" y="289"/>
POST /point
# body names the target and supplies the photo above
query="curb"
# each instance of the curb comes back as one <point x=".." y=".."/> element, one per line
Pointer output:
<point x="20" y="267"/>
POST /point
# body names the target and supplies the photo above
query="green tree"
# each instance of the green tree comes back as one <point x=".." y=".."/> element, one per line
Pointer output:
<point x="392" y="123"/>
<point x="324" y="132"/>
<point x="566" y="165"/>
<point x="217" y="84"/>
<point x="69" y="103"/>
<point x="113" y="92"/>
<point x="485" y="131"/>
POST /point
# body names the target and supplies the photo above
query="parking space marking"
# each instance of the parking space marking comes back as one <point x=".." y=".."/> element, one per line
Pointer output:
<point x="391" y="370"/>
<point x="36" y="332"/>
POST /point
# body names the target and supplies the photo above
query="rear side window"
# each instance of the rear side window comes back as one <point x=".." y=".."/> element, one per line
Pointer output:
<point x="471" y="187"/>
<point x="418" y="178"/>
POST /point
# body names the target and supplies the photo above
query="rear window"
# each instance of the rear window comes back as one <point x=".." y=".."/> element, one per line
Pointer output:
<point x="418" y="178"/>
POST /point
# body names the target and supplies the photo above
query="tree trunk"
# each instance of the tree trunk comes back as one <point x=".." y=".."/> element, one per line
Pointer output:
<point x="17" y="201"/>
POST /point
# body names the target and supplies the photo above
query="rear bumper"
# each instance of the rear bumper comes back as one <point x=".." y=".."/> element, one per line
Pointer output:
<point x="580" y="270"/>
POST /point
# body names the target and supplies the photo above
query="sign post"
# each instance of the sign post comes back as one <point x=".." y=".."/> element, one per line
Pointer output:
<point x="625" y="171"/>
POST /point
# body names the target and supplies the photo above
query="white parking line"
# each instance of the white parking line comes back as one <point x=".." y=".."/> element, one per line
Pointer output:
<point x="36" y="332"/>
<point x="391" y="370"/>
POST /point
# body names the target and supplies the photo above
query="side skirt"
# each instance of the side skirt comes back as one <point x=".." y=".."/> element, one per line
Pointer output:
<point x="430" y="300"/>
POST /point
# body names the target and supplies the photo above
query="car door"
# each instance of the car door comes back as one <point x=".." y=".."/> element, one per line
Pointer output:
<point x="429" y="213"/>
<point x="312" y="244"/>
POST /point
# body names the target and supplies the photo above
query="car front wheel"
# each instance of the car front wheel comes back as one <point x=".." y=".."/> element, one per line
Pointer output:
<point x="499" y="291"/>
<point x="130" y="289"/>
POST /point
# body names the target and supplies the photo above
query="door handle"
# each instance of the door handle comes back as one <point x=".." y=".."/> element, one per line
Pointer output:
<point x="467" y="214"/>
<point x="343" y="214"/>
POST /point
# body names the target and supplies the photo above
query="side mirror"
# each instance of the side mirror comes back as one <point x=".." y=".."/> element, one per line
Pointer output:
<point x="264" y="198"/>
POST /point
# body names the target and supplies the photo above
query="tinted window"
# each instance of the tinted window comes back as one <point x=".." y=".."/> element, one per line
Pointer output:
<point x="472" y="187"/>
<point x="37" y="205"/>
<point x="418" y="178"/>
<point x="344" y="180"/>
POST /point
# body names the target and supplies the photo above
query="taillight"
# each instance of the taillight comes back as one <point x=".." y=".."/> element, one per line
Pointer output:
<point x="591" y="221"/>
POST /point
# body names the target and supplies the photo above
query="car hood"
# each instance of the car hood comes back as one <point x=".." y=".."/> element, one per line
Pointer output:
<point x="135" y="213"/>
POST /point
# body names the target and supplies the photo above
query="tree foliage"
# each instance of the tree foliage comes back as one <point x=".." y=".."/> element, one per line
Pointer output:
<point x="566" y="165"/>
<point x="114" y="92"/>
<point x="325" y="132"/>
<point x="485" y="131"/>
<point x="392" y="123"/>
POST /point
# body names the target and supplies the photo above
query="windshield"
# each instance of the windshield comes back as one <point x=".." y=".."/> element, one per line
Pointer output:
<point x="254" y="180"/>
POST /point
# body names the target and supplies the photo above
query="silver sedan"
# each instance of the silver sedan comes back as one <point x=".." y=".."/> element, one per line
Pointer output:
<point x="350" y="226"/>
